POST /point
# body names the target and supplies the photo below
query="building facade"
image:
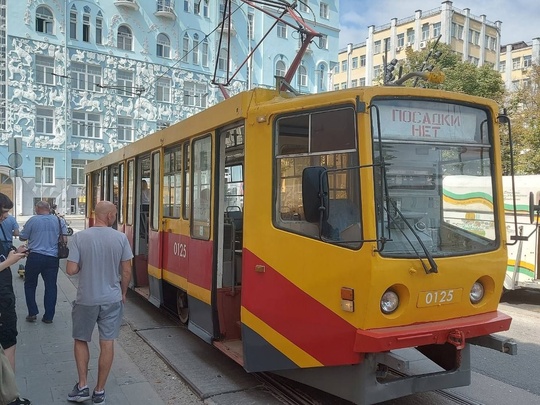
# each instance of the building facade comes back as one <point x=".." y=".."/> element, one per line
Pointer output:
<point x="516" y="60"/>
<point x="473" y="37"/>
<point x="80" y="79"/>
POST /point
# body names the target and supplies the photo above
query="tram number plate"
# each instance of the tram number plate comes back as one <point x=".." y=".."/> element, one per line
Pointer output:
<point x="439" y="297"/>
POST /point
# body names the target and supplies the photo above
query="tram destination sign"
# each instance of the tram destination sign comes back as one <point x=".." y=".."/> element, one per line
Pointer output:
<point x="414" y="124"/>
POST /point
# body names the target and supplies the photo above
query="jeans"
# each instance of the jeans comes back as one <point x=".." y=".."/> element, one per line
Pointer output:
<point x="47" y="266"/>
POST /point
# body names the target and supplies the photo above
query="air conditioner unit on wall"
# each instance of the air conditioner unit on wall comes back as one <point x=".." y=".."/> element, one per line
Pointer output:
<point x="423" y="44"/>
<point x="398" y="48"/>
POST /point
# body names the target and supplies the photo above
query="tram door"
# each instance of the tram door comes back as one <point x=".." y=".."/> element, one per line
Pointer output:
<point x="230" y="233"/>
<point x="141" y="207"/>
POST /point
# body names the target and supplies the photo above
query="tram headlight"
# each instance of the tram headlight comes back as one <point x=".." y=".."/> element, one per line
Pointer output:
<point x="477" y="292"/>
<point x="389" y="302"/>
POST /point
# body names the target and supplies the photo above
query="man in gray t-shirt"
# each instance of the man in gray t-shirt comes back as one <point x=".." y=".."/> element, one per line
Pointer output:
<point x="101" y="256"/>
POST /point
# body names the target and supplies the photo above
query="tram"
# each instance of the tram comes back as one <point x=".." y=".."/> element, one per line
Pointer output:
<point x="310" y="236"/>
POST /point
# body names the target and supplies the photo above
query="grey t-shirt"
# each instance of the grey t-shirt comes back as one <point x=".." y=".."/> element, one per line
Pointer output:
<point x="99" y="252"/>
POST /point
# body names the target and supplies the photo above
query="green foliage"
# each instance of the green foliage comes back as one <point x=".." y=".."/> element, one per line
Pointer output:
<point x="523" y="106"/>
<point x="462" y="77"/>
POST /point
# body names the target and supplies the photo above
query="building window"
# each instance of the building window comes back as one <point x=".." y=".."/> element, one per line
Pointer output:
<point x="124" y="39"/>
<point x="502" y="67"/>
<point x="44" y="121"/>
<point x="251" y="26"/>
<point x="204" y="53"/>
<point x="474" y="37"/>
<point x="322" y="77"/>
<point x="516" y="63"/>
<point x="86" y="28"/>
<point x="323" y="42"/>
<point x="195" y="94"/>
<point x="99" y="30"/>
<point x="165" y="5"/>
<point x="163" y="90"/>
<point x="77" y="172"/>
<point x="205" y="9"/>
<point x="163" y="46"/>
<point x="362" y="60"/>
<point x="362" y="82"/>
<point x="343" y="85"/>
<point x="44" y="173"/>
<point x="343" y="65"/>
<point x="401" y="40"/>
<point x="527" y="61"/>
<point x="85" y="77"/>
<point x="186" y="6"/>
<point x="197" y="7"/>
<point x="336" y="86"/>
<point x="376" y="71"/>
<point x="124" y="83"/>
<point x="436" y="29"/>
<point x="410" y="36"/>
<point x="86" y="125"/>
<point x="73" y="24"/>
<point x="280" y="68"/>
<point x="354" y="83"/>
<point x="124" y="128"/>
<point x="425" y="32"/>
<point x="281" y="30"/>
<point x="303" y="6"/>
<point x="185" y="46"/>
<point x="457" y="31"/>
<point x="355" y="62"/>
<point x="324" y="11"/>
<point x="44" y="70"/>
<point x="377" y="47"/>
<point x="44" y="20"/>
<point x="302" y="76"/>
<point x="223" y="59"/>
<point x="195" y="49"/>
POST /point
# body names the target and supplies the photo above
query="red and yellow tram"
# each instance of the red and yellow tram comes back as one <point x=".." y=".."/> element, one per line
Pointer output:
<point x="308" y="235"/>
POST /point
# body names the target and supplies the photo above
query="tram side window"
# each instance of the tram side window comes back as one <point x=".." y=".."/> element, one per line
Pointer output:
<point x="326" y="139"/>
<point x="96" y="192"/>
<point x="202" y="188"/>
<point x="172" y="182"/>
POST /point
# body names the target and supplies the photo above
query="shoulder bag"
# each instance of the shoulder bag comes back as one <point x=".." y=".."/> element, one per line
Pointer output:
<point x="63" y="250"/>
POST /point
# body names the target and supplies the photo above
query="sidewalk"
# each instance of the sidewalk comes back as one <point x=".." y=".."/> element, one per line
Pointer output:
<point x="45" y="366"/>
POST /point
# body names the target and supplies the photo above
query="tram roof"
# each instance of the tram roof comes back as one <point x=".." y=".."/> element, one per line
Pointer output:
<point x="235" y="108"/>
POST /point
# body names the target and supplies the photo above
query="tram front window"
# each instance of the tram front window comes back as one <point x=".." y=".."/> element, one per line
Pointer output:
<point x="439" y="188"/>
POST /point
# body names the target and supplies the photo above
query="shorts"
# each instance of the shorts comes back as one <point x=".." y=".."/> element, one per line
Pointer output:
<point x="108" y="318"/>
<point x="8" y="319"/>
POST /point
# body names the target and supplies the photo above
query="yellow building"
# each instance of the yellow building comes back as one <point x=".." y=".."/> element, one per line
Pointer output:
<point x="475" y="38"/>
<point x="516" y="60"/>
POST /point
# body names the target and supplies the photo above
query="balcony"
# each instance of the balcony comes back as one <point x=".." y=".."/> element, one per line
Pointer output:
<point x="165" y="9"/>
<point x="225" y="29"/>
<point x="128" y="4"/>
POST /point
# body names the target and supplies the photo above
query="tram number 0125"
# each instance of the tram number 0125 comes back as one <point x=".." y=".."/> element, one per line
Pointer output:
<point x="439" y="297"/>
<point x="180" y="249"/>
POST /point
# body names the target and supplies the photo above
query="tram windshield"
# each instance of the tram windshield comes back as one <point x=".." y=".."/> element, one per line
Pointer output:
<point x="434" y="193"/>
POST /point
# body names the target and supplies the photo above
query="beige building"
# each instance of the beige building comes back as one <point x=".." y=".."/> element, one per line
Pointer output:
<point x="516" y="60"/>
<point x="475" y="38"/>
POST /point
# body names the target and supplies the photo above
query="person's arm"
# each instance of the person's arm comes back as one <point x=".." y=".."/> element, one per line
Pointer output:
<point x="72" y="268"/>
<point x="12" y="258"/>
<point x="126" y="277"/>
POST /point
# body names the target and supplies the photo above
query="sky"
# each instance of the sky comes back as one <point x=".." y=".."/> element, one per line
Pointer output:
<point x="520" y="18"/>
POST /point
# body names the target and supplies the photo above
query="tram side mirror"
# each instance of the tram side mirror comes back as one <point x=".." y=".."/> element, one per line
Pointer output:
<point x="315" y="193"/>
<point x="533" y="208"/>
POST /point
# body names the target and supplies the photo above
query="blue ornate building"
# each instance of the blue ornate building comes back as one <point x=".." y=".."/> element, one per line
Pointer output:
<point x="79" y="79"/>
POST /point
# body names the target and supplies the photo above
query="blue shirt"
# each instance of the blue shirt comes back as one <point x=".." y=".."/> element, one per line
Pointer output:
<point x="9" y="225"/>
<point x="42" y="233"/>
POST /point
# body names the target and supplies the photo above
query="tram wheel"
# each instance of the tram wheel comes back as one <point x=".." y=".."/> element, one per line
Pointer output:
<point x="182" y="306"/>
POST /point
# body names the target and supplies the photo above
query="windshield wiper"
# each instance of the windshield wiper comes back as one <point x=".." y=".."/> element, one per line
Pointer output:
<point x="429" y="257"/>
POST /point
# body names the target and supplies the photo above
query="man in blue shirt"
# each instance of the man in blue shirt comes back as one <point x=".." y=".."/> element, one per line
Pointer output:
<point x="42" y="232"/>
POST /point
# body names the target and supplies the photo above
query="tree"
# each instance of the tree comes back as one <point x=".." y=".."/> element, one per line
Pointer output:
<point x="463" y="77"/>
<point x="523" y="106"/>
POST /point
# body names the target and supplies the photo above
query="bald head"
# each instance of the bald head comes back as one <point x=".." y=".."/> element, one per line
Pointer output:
<point x="105" y="212"/>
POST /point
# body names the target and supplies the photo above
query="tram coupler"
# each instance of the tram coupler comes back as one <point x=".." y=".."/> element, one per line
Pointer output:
<point x="504" y="345"/>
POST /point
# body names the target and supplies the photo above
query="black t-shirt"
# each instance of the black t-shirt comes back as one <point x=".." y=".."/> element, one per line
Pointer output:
<point x="6" y="278"/>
